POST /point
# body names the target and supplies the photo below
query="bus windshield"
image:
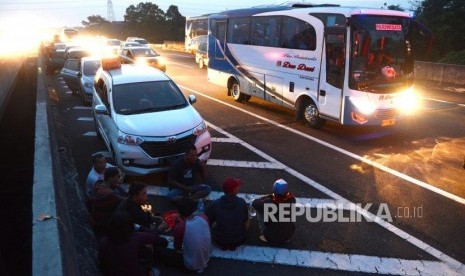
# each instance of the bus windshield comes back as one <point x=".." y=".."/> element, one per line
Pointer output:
<point x="381" y="57"/>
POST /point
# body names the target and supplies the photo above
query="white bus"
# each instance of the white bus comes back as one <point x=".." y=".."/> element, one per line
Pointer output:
<point x="326" y="62"/>
<point x="195" y="32"/>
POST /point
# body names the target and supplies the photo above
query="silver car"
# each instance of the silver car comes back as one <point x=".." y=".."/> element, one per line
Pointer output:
<point x="144" y="119"/>
<point x="79" y="76"/>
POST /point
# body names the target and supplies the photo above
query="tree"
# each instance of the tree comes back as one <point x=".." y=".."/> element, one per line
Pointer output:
<point x="176" y="23"/>
<point x="447" y="21"/>
<point x="146" y="20"/>
<point x="94" y="21"/>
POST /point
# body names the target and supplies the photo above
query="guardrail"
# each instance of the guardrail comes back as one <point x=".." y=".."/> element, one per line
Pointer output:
<point x="440" y="72"/>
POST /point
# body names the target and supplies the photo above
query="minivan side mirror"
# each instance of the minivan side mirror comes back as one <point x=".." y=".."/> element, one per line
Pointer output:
<point x="79" y="74"/>
<point x="192" y="99"/>
<point x="101" y="109"/>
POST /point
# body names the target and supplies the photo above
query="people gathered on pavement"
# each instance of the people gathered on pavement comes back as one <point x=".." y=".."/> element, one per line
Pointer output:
<point x="104" y="199"/>
<point x="229" y="217"/>
<point x="99" y="164"/>
<point x="275" y="231"/>
<point x="192" y="240"/>
<point x="187" y="177"/>
<point x="129" y="236"/>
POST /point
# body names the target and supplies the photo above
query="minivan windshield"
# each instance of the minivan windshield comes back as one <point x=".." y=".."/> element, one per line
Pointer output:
<point x="146" y="97"/>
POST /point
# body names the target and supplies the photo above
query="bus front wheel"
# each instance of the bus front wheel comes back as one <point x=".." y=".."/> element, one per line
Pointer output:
<point x="236" y="93"/>
<point x="308" y="111"/>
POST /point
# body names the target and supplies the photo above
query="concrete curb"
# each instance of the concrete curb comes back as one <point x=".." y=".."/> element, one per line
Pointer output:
<point x="46" y="248"/>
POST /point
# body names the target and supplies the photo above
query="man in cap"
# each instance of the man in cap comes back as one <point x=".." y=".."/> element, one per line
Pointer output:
<point x="228" y="216"/>
<point x="269" y="210"/>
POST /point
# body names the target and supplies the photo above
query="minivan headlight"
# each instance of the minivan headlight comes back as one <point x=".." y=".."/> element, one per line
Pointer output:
<point x="200" y="129"/>
<point x="128" y="139"/>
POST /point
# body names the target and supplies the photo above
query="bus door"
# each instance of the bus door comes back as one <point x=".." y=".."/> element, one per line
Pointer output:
<point x="332" y="74"/>
<point x="274" y="89"/>
<point x="266" y="87"/>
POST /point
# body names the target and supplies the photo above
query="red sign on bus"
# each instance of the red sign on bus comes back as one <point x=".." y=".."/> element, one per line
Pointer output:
<point x="388" y="27"/>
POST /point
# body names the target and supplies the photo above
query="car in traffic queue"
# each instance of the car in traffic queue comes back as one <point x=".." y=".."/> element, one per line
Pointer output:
<point x="143" y="55"/>
<point x="139" y="40"/>
<point x="144" y="119"/>
<point x="79" y="76"/>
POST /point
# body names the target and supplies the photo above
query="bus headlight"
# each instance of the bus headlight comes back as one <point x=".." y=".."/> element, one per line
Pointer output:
<point x="408" y="102"/>
<point x="363" y="104"/>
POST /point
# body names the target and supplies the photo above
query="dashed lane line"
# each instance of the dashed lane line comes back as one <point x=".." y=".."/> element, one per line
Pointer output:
<point x="340" y="150"/>
<point x="180" y="64"/>
<point x="90" y="134"/>
<point x="245" y="164"/>
<point x="82" y="107"/>
<point x="86" y="119"/>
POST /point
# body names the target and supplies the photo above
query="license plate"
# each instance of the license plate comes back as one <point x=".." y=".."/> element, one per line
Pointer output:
<point x="388" y="122"/>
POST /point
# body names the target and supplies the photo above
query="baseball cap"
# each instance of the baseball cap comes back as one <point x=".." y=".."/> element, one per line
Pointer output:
<point x="230" y="184"/>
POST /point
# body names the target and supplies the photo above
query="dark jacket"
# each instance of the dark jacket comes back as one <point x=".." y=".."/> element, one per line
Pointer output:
<point x="230" y="213"/>
<point x="276" y="231"/>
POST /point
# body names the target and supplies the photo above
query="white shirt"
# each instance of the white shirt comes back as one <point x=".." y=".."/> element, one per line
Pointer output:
<point x="93" y="177"/>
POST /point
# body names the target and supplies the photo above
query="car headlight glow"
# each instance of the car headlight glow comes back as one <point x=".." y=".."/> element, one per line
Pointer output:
<point x="200" y="129"/>
<point x="408" y="102"/>
<point x="363" y="104"/>
<point x="128" y="139"/>
<point x="141" y="61"/>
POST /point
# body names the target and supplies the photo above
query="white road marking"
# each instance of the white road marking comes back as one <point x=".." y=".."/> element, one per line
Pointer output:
<point x="244" y="164"/>
<point x="68" y="92"/>
<point x="180" y="64"/>
<point x="224" y="140"/>
<point x="301" y="201"/>
<point x="90" y="134"/>
<point x="87" y="119"/>
<point x="177" y="55"/>
<point x="442" y="101"/>
<point x="342" y="151"/>
<point x="334" y="261"/>
<point x="368" y="215"/>
<point x="82" y="107"/>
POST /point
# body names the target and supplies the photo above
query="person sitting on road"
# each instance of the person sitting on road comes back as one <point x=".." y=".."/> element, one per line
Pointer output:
<point x="183" y="175"/>
<point x="137" y="198"/>
<point x="275" y="231"/>
<point x="99" y="164"/>
<point x="229" y="216"/>
<point x="103" y="201"/>
<point x="192" y="240"/>
<point x="125" y="251"/>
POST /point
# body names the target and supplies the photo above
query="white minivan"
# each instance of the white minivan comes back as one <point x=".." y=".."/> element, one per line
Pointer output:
<point x="144" y="119"/>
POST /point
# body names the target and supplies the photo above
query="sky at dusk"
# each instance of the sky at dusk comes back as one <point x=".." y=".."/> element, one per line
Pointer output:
<point x="70" y="13"/>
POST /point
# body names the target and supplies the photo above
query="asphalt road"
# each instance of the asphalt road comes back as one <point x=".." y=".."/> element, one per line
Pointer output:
<point x="413" y="169"/>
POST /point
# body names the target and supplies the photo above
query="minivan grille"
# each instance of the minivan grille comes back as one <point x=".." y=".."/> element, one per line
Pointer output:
<point x="158" y="149"/>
